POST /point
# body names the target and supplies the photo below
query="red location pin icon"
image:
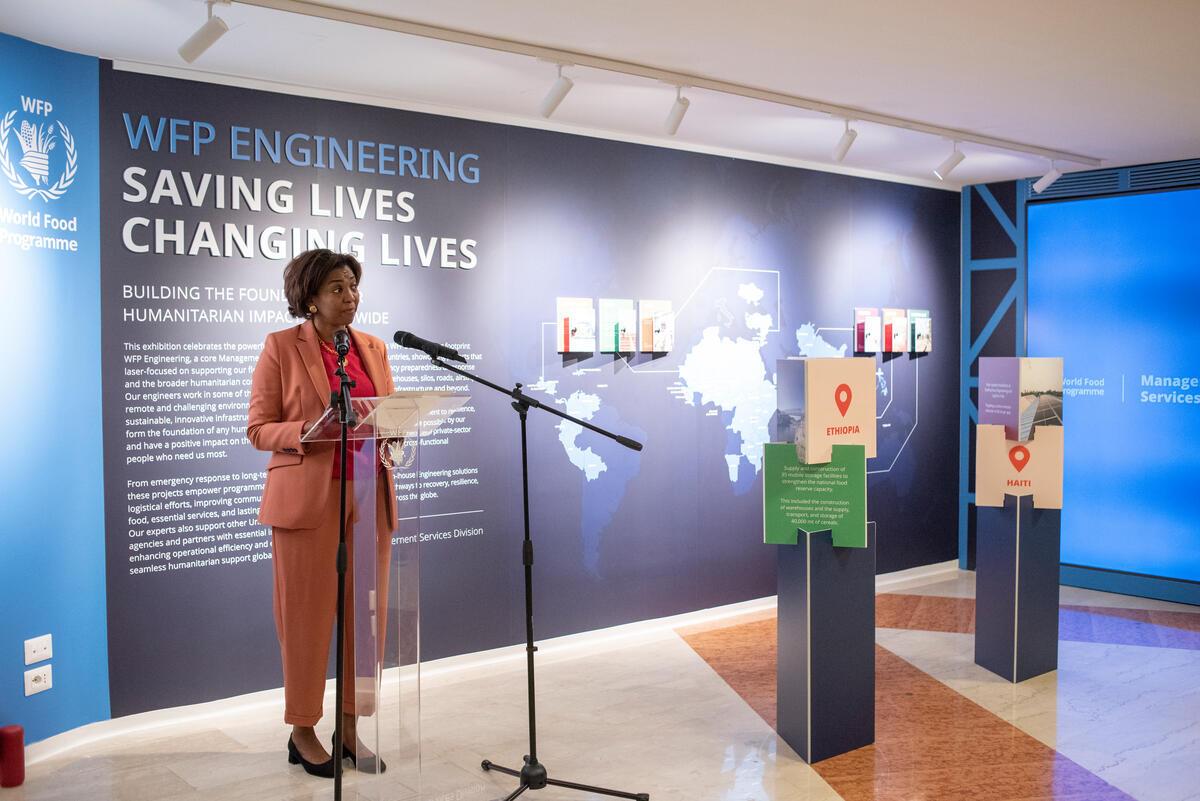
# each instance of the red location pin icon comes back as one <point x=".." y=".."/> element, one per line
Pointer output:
<point x="1019" y="456"/>
<point x="842" y="397"/>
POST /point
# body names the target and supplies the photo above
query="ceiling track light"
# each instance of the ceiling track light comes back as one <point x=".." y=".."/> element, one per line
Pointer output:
<point x="1043" y="183"/>
<point x="206" y="35"/>
<point x="557" y="92"/>
<point x="943" y="170"/>
<point x="678" y="109"/>
<point x="379" y="21"/>
<point x="843" y="145"/>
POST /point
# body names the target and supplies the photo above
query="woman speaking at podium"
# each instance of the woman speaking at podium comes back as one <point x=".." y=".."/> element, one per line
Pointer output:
<point x="291" y="389"/>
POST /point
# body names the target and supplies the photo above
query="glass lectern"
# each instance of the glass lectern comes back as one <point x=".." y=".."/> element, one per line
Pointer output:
<point x="382" y="651"/>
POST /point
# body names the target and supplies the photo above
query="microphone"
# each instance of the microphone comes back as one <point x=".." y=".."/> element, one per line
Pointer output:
<point x="341" y="341"/>
<point x="432" y="349"/>
<point x="632" y="444"/>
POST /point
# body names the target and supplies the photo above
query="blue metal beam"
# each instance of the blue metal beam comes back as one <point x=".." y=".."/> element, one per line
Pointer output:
<point x="979" y="265"/>
<point x="1014" y="299"/>
<point x="993" y="205"/>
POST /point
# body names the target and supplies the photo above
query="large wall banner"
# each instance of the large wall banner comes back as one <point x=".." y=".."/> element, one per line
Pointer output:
<point x="503" y="243"/>
<point x="51" y="528"/>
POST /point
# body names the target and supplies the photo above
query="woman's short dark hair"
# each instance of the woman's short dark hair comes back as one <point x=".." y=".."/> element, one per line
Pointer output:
<point x="303" y="276"/>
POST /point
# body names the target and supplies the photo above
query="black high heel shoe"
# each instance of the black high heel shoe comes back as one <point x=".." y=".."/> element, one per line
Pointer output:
<point x="368" y="764"/>
<point x="323" y="770"/>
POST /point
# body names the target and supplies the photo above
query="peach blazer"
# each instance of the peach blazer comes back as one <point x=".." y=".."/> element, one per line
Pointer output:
<point x="290" y="387"/>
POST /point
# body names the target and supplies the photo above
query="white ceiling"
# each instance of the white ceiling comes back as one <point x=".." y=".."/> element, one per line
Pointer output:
<point x="1113" y="79"/>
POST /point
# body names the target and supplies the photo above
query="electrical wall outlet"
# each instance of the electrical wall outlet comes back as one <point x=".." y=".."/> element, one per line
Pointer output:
<point x="38" y="680"/>
<point x="38" y="649"/>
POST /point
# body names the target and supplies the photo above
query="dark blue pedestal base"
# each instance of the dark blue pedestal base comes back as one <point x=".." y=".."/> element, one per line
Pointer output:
<point x="1016" y="588"/>
<point x="826" y="682"/>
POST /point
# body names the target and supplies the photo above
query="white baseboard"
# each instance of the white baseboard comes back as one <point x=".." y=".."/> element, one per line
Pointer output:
<point x="271" y="701"/>
<point x="102" y="730"/>
<point x="452" y="668"/>
<point x="916" y="576"/>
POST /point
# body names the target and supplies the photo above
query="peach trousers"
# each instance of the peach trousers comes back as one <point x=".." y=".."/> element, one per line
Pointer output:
<point x="305" y="570"/>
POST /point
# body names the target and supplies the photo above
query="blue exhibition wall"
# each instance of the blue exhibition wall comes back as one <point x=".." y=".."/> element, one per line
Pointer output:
<point x="52" y="542"/>
<point x="1101" y="270"/>
<point x="1113" y="288"/>
<point x="469" y="232"/>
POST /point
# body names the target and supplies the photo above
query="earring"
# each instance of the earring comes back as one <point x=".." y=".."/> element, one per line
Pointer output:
<point x="312" y="309"/>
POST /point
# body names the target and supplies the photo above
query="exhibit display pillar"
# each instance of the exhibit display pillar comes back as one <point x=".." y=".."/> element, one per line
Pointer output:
<point x="815" y="512"/>
<point x="1018" y="514"/>
<point x="826" y="635"/>
<point x="1016" y="588"/>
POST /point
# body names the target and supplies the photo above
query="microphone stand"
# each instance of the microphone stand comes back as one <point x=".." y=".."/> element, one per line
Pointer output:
<point x="340" y="400"/>
<point x="533" y="774"/>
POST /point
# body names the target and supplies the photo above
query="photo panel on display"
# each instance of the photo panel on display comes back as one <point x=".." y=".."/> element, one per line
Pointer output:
<point x="618" y="326"/>
<point x="920" y="331"/>
<point x="656" y="326"/>
<point x="868" y="330"/>
<point x="1041" y="394"/>
<point x="788" y="423"/>
<point x="576" y="325"/>
<point x="895" y="331"/>
<point x="1020" y="394"/>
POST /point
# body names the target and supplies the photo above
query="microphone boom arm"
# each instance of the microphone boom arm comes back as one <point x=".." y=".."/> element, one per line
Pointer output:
<point x="520" y="398"/>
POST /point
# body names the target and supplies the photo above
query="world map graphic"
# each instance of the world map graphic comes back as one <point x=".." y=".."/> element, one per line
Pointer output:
<point x="725" y="372"/>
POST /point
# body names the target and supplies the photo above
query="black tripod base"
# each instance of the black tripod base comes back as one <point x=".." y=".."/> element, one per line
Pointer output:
<point x="533" y="776"/>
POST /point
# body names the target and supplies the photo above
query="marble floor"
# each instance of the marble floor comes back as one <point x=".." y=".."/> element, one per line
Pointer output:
<point x="686" y="712"/>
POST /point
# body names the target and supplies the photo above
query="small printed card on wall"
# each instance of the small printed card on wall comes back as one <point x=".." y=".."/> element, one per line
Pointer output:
<point x="656" y="326"/>
<point x="868" y="330"/>
<point x="576" y="325"/>
<point x="618" y="326"/>
<point x="838" y="404"/>
<point x="815" y="497"/>
<point x="920" y="335"/>
<point x="895" y="331"/>
<point x="1020" y="393"/>
<point x="1007" y="467"/>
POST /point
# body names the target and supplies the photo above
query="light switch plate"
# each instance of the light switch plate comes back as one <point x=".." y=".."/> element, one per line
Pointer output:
<point x="38" y="649"/>
<point x="38" y="680"/>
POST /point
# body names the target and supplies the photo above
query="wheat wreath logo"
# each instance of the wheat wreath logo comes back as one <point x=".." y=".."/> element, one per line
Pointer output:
<point x="37" y="141"/>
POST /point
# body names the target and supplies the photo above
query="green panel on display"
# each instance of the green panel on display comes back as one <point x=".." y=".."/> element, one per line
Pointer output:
<point x="815" y="497"/>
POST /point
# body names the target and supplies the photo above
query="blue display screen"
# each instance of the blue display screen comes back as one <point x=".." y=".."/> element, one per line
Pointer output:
<point x="1114" y="288"/>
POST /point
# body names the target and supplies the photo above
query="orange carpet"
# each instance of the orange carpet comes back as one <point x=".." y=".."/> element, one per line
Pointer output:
<point x="1120" y="626"/>
<point x="931" y="743"/>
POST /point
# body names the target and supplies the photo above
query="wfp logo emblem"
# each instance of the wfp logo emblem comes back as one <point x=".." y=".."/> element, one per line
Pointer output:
<point x="32" y="149"/>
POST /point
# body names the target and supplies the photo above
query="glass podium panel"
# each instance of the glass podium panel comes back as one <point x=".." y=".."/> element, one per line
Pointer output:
<point x="382" y="656"/>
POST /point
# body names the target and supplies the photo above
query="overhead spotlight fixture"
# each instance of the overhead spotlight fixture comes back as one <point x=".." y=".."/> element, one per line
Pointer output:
<point x="1043" y="183"/>
<point x="843" y="145"/>
<point x="679" y="108"/>
<point x="206" y="36"/>
<point x="556" y="94"/>
<point x="949" y="164"/>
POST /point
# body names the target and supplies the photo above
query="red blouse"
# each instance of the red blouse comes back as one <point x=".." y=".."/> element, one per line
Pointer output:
<point x="363" y="388"/>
